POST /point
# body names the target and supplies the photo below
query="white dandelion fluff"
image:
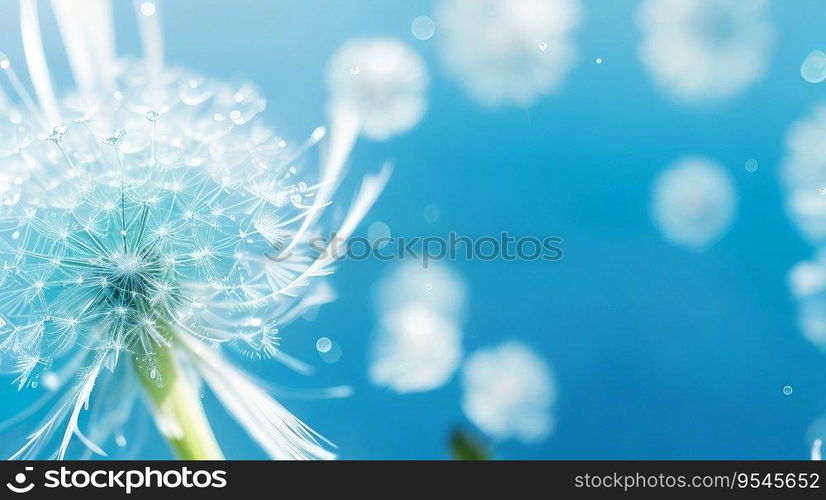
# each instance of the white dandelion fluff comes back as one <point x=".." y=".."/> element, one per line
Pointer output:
<point x="803" y="172"/>
<point x="417" y="350"/>
<point x="508" y="392"/>
<point x="418" y="345"/>
<point x="150" y="225"/>
<point x="383" y="82"/>
<point x="694" y="202"/>
<point x="508" y="52"/>
<point x="705" y="50"/>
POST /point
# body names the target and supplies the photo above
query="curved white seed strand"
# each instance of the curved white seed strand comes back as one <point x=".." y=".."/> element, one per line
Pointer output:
<point x="36" y="61"/>
<point x="70" y="16"/>
<point x="21" y="91"/>
<point x="344" y="131"/>
<point x="99" y="25"/>
<point x="149" y="26"/>
<point x="371" y="188"/>
<point x="279" y="433"/>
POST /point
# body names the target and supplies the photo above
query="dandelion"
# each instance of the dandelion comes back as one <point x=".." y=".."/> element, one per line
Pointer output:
<point x="383" y="82"/>
<point x="157" y="227"/>
<point x="705" y="50"/>
<point x="508" y="392"/>
<point x="508" y="52"/>
<point x="418" y="345"/>
<point x="694" y="202"/>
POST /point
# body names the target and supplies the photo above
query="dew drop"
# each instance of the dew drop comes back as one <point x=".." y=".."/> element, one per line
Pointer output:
<point x="4" y="61"/>
<point x="324" y="345"/>
<point x="599" y="60"/>
<point x="787" y="390"/>
<point x="752" y="165"/>
<point x="813" y="69"/>
<point x="153" y="373"/>
<point x="355" y="70"/>
<point x="543" y="46"/>
<point x="423" y="28"/>
<point x="148" y="9"/>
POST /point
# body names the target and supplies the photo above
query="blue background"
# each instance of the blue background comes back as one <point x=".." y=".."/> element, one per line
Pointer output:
<point x="658" y="352"/>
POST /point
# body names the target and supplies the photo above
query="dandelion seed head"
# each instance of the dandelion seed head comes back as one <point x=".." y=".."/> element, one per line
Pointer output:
<point x="143" y="222"/>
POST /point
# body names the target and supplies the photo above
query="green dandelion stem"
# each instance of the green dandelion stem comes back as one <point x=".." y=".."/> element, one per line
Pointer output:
<point x="178" y="411"/>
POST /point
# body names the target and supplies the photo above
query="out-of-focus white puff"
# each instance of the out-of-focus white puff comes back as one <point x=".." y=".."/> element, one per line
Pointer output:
<point x="383" y="81"/>
<point x="803" y="173"/>
<point x="508" y="392"/>
<point x="418" y="350"/>
<point x="418" y="345"/>
<point x="508" y="51"/>
<point x="694" y="202"/>
<point x="705" y="50"/>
